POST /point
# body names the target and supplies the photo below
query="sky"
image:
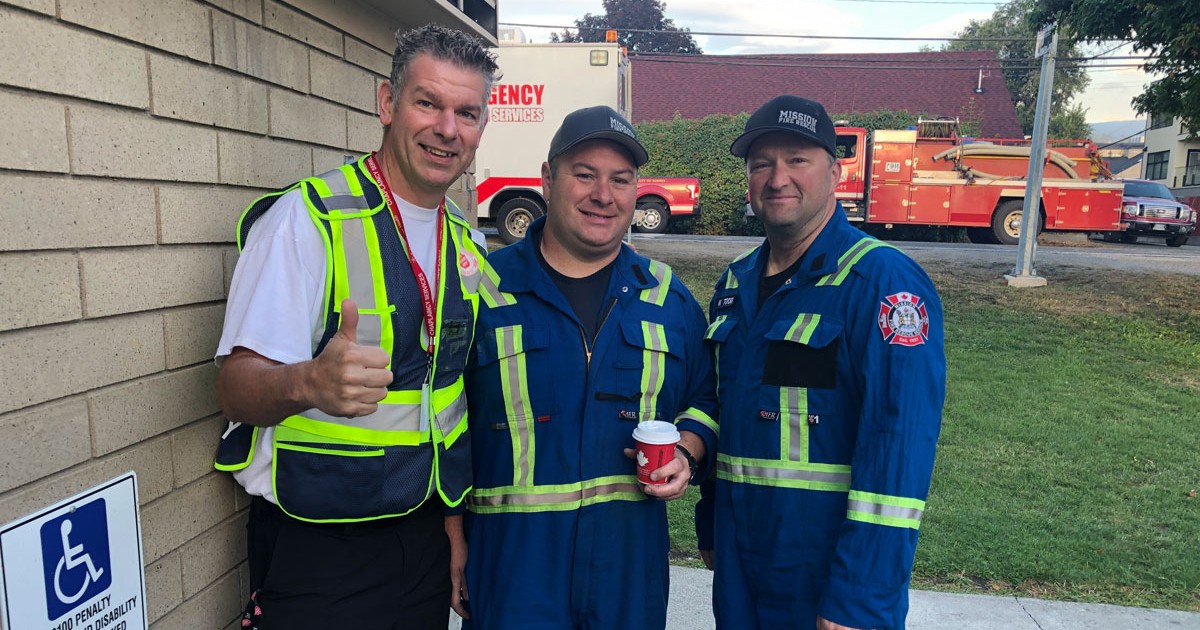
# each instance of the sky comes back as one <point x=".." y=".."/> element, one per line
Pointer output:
<point x="1106" y="98"/>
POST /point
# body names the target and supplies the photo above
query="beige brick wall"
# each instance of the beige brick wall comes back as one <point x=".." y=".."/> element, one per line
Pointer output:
<point x="136" y="132"/>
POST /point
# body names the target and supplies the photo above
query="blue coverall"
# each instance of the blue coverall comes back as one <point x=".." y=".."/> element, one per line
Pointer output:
<point x="831" y="400"/>
<point x="560" y="535"/>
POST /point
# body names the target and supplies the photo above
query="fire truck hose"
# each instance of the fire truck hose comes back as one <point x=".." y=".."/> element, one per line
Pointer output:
<point x="957" y="153"/>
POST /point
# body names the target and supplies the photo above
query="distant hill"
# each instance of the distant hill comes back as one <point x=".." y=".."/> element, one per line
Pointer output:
<point x="1116" y="130"/>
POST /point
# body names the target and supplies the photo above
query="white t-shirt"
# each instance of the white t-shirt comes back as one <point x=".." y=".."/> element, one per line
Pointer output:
<point x="277" y="296"/>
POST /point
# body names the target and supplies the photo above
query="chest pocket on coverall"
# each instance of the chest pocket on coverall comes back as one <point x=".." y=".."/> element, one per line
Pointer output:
<point x="648" y="351"/>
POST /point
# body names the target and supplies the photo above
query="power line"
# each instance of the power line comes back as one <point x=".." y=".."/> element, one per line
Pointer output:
<point x="776" y="35"/>
<point x="922" y="65"/>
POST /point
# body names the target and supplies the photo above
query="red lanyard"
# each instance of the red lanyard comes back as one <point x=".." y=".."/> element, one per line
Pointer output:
<point x="428" y="305"/>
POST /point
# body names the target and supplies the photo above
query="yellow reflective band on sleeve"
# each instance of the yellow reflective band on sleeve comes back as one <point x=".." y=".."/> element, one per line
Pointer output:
<point x="847" y="261"/>
<point x="489" y="288"/>
<point x="654" y="367"/>
<point x="882" y="509"/>
<point x="515" y="389"/>
<point x="556" y="497"/>
<point x="692" y="413"/>
<point x="658" y="295"/>
<point x="770" y="472"/>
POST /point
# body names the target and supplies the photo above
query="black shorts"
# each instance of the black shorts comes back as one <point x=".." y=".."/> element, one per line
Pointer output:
<point x="391" y="574"/>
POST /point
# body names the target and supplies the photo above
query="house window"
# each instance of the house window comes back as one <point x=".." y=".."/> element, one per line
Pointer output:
<point x="1158" y="121"/>
<point x="1156" y="165"/>
<point x="1191" y="173"/>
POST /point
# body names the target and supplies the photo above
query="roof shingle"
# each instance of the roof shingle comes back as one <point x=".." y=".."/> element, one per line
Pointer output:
<point x="932" y="83"/>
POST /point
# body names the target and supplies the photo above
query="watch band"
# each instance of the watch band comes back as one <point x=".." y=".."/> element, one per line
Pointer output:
<point x="691" y="460"/>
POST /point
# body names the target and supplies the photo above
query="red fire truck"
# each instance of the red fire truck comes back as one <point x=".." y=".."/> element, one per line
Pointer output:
<point x="932" y="176"/>
<point x="539" y="86"/>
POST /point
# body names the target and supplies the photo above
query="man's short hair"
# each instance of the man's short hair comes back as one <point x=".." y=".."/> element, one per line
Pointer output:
<point x="464" y="51"/>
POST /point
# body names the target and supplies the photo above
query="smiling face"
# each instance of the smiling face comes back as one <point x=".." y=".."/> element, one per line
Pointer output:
<point x="591" y="192"/>
<point x="433" y="128"/>
<point x="791" y="184"/>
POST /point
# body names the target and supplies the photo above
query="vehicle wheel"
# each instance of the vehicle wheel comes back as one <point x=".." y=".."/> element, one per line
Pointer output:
<point x="1128" y="237"/>
<point x="980" y="236"/>
<point x="654" y="218"/>
<point x="514" y="218"/>
<point x="1179" y="240"/>
<point x="1112" y="237"/>
<point x="1006" y="222"/>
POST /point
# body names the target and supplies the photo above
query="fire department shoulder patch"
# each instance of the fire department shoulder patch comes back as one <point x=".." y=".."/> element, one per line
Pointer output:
<point x="903" y="320"/>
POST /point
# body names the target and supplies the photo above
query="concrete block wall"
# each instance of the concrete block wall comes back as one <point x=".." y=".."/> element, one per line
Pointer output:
<point x="135" y="132"/>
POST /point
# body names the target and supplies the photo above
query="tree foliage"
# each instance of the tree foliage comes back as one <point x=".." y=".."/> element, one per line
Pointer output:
<point x="627" y="16"/>
<point x="1166" y="30"/>
<point x="1021" y="70"/>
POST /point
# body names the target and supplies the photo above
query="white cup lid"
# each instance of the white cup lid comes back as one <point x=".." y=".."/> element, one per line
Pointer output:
<point x="656" y="432"/>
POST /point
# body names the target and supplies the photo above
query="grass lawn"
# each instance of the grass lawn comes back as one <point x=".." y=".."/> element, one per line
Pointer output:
<point x="1069" y="461"/>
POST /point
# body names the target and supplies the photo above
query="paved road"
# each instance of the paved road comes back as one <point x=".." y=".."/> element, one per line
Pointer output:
<point x="1055" y="252"/>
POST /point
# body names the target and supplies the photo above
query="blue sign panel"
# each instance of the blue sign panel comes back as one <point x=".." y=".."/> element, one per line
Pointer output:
<point x="75" y="557"/>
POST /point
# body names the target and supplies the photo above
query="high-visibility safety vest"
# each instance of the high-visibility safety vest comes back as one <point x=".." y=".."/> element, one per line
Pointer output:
<point x="831" y="398"/>
<point x="385" y="464"/>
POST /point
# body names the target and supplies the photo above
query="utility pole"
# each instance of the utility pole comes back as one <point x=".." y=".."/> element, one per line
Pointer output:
<point x="1024" y="274"/>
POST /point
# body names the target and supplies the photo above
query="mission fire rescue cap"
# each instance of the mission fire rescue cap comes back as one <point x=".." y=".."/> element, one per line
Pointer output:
<point x="787" y="113"/>
<point x="597" y="123"/>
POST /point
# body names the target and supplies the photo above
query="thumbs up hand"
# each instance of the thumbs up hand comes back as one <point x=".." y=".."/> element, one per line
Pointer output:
<point x="349" y="380"/>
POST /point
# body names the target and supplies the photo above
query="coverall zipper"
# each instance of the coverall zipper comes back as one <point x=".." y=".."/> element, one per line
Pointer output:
<point x="587" y="347"/>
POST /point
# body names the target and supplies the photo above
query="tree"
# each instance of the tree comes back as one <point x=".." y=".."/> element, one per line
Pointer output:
<point x="1021" y="70"/>
<point x="629" y="18"/>
<point x="1070" y="123"/>
<point x="1168" y="31"/>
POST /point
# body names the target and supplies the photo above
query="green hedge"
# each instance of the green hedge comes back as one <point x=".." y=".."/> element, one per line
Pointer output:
<point x="700" y="148"/>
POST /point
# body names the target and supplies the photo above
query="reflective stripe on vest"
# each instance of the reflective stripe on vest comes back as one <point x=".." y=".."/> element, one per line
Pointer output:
<point x="555" y="498"/>
<point x="319" y="458"/>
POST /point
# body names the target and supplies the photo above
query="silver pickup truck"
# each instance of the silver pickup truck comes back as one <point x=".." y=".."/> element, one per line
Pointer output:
<point x="1151" y="210"/>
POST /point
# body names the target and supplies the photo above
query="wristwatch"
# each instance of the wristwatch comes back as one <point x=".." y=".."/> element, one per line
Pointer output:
<point x="691" y="460"/>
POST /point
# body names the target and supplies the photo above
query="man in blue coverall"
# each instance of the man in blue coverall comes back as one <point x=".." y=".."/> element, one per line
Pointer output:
<point x="831" y="379"/>
<point x="578" y="339"/>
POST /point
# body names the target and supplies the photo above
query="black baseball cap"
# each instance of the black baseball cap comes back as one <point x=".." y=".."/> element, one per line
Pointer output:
<point x="597" y="123"/>
<point x="792" y="114"/>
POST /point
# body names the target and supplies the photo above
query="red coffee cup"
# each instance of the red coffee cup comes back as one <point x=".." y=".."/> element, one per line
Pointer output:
<point x="655" y="441"/>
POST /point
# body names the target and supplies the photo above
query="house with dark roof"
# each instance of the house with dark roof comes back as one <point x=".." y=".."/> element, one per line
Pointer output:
<point x="965" y="84"/>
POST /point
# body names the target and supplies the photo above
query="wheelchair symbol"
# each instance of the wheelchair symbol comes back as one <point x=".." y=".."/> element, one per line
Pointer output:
<point x="75" y="558"/>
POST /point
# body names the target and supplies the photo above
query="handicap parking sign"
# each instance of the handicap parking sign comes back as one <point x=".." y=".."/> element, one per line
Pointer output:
<point x="77" y="564"/>
<point x="75" y="557"/>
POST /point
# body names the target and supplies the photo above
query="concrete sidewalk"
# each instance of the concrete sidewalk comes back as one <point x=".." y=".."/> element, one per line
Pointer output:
<point x="691" y="600"/>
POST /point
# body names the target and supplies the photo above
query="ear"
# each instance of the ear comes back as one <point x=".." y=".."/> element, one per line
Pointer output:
<point x="546" y="177"/>
<point x="386" y="104"/>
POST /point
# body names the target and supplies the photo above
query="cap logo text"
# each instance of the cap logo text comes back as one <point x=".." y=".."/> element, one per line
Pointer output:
<point x="619" y="126"/>
<point x="801" y="119"/>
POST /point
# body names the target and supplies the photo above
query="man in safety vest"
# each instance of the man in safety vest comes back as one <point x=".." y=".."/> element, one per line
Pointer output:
<point x="346" y="334"/>
<point x="580" y="338"/>
<point x="831" y="382"/>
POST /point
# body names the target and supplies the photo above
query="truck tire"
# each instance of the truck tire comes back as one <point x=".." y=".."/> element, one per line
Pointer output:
<point x="1178" y="240"/>
<point x="654" y="218"/>
<point x="1006" y="222"/>
<point x="515" y="217"/>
